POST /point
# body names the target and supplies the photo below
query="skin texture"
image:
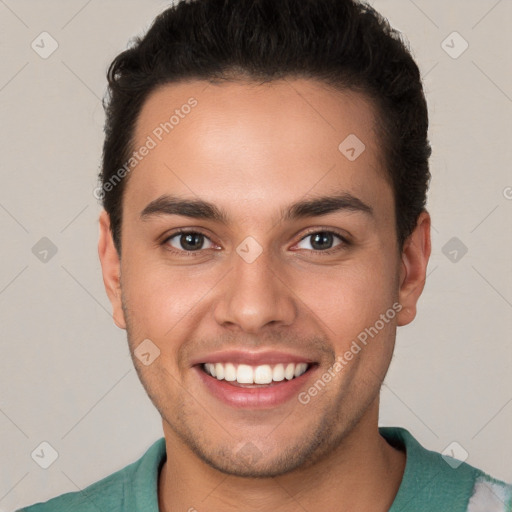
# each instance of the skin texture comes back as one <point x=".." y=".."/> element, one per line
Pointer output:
<point x="252" y="150"/>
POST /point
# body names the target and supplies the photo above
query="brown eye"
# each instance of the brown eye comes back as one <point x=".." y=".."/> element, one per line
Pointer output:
<point x="188" y="241"/>
<point x="320" y="241"/>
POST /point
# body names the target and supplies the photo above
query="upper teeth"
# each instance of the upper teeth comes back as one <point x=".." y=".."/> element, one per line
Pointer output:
<point x="262" y="374"/>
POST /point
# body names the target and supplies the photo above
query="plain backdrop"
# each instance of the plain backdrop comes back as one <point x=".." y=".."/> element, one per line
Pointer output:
<point x="66" y="376"/>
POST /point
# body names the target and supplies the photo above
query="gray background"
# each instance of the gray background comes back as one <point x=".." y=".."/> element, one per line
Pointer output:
<point x="65" y="372"/>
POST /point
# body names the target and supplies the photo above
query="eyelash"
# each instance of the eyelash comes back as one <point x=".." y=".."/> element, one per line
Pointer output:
<point x="343" y="245"/>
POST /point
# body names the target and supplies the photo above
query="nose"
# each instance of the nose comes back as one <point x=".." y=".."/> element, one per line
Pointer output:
<point x="255" y="295"/>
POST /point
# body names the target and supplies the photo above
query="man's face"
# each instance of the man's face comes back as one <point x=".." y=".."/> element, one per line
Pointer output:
<point x="300" y="289"/>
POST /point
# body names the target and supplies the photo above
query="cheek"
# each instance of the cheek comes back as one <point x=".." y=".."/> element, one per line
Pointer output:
<point x="347" y="299"/>
<point x="160" y="297"/>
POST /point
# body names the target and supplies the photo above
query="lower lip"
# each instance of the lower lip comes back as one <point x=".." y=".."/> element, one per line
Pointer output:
<point x="265" y="396"/>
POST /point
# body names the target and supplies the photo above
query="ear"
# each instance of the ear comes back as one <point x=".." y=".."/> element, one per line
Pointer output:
<point x="111" y="269"/>
<point x="415" y="256"/>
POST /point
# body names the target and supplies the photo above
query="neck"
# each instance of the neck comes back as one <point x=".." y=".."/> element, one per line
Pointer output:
<point x="362" y="467"/>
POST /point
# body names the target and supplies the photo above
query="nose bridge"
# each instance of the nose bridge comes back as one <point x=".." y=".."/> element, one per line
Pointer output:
<point x="254" y="296"/>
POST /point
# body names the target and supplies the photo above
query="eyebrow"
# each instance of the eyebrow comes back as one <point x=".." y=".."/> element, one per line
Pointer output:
<point x="200" y="209"/>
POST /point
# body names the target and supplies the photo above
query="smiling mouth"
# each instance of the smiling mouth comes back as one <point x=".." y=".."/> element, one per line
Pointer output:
<point x="244" y="375"/>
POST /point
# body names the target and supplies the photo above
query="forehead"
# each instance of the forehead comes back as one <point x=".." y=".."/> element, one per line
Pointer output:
<point x="265" y="144"/>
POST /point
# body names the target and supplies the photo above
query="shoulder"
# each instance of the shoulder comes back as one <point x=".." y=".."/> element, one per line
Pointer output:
<point x="115" y="490"/>
<point x="106" y="490"/>
<point x="490" y="495"/>
<point x="443" y="481"/>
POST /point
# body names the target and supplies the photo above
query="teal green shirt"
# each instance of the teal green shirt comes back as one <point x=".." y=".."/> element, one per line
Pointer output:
<point x="429" y="484"/>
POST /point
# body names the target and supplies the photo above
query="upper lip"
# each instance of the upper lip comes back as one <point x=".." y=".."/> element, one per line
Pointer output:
<point x="252" y="358"/>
